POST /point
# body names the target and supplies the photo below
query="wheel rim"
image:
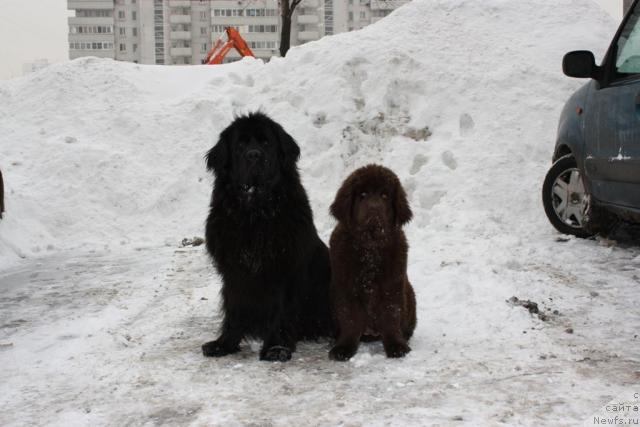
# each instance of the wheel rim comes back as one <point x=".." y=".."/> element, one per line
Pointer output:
<point x="568" y="196"/>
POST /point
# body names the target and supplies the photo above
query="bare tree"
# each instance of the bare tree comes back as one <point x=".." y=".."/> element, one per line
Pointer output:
<point x="287" y="7"/>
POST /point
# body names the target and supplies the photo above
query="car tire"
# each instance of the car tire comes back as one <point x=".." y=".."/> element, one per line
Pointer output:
<point x="565" y="200"/>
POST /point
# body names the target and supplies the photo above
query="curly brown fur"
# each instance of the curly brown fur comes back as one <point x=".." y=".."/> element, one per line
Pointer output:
<point x="370" y="293"/>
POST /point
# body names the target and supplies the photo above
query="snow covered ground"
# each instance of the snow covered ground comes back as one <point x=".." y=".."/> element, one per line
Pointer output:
<point x="102" y="313"/>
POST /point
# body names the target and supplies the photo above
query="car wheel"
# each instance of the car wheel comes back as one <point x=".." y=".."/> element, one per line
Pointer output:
<point x="565" y="199"/>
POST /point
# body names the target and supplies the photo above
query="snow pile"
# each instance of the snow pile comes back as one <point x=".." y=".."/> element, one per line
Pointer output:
<point x="459" y="97"/>
<point x="102" y="154"/>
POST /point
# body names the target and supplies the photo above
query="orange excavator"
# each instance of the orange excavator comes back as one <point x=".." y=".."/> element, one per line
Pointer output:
<point x="222" y="47"/>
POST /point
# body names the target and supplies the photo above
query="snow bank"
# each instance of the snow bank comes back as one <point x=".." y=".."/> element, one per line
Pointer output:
<point x="102" y="154"/>
<point x="459" y="97"/>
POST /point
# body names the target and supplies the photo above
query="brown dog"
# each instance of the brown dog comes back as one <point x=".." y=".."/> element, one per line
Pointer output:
<point x="370" y="293"/>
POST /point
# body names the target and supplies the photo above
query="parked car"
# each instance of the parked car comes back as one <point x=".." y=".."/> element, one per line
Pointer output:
<point x="595" y="178"/>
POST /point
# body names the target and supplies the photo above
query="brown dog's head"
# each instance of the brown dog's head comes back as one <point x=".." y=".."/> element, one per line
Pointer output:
<point x="372" y="199"/>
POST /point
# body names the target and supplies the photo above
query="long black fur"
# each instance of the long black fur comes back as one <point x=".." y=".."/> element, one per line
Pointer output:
<point x="275" y="269"/>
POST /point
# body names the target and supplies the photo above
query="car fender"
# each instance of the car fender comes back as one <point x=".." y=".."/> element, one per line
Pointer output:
<point x="570" y="135"/>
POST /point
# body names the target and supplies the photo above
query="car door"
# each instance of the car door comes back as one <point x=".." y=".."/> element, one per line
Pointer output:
<point x="612" y="123"/>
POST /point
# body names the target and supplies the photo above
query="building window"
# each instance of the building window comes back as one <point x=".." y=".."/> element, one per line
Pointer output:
<point x="123" y="31"/>
<point x="203" y="31"/>
<point x="263" y="28"/>
<point x="362" y="15"/>
<point x="203" y="48"/>
<point x="135" y="31"/>
<point x="134" y="15"/>
<point x="123" y="47"/>
<point x="203" y="15"/>
<point x="121" y="14"/>
<point x="350" y="16"/>
<point x="135" y="47"/>
<point x="91" y="13"/>
<point x="99" y="29"/>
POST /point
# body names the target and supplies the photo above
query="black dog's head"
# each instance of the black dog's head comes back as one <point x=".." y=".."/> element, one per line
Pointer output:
<point x="253" y="155"/>
<point x="372" y="199"/>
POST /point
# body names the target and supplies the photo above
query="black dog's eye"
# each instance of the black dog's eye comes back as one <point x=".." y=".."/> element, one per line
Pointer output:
<point x="384" y="195"/>
<point x="363" y="194"/>
<point x="264" y="142"/>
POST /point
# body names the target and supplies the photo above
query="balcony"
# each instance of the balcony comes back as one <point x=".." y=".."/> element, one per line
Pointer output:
<point x="90" y="20"/>
<point x="97" y="4"/>
<point x="386" y="5"/>
<point x="92" y="37"/>
<point x="180" y="19"/>
<point x="308" y="35"/>
<point x="308" y="19"/>
<point x="180" y="51"/>
<point x="179" y="3"/>
<point x="180" y="35"/>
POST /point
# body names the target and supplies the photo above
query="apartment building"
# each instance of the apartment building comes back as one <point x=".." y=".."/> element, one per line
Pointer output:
<point x="183" y="31"/>
<point x="32" y="67"/>
<point x="91" y="30"/>
<point x="350" y="15"/>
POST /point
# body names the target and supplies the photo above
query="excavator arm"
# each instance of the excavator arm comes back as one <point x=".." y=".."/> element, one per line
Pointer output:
<point x="221" y="47"/>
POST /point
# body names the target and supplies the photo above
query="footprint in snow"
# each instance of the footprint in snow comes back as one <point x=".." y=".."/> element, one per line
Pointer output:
<point x="466" y="124"/>
<point x="418" y="162"/>
<point x="449" y="160"/>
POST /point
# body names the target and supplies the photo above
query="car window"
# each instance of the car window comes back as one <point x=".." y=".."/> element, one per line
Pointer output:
<point x="628" y="46"/>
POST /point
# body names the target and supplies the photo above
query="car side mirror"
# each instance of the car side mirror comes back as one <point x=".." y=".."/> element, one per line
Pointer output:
<point x="580" y="64"/>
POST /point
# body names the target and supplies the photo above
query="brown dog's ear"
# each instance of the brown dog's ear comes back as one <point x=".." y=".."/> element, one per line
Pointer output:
<point x="341" y="206"/>
<point x="218" y="157"/>
<point x="401" y="206"/>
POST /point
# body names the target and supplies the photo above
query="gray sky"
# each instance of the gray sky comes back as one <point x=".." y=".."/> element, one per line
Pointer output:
<point x="30" y="30"/>
<point x="34" y="29"/>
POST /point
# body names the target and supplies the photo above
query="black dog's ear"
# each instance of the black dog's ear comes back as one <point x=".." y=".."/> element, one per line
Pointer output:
<point x="401" y="206"/>
<point x="341" y="206"/>
<point x="289" y="150"/>
<point x="218" y="157"/>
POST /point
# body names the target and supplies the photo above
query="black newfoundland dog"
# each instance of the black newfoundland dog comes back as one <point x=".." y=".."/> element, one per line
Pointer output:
<point x="260" y="233"/>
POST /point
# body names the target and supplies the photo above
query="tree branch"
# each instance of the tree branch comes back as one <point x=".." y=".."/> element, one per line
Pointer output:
<point x="294" y="4"/>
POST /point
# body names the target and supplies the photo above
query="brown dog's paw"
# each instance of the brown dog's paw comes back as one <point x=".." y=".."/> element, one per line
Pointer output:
<point x="276" y="353"/>
<point x="396" y="349"/>
<point x="342" y="353"/>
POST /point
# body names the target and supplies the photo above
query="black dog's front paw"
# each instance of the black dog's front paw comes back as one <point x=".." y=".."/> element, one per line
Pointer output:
<point x="397" y="349"/>
<point x="276" y="353"/>
<point x="342" y="353"/>
<point x="218" y="349"/>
